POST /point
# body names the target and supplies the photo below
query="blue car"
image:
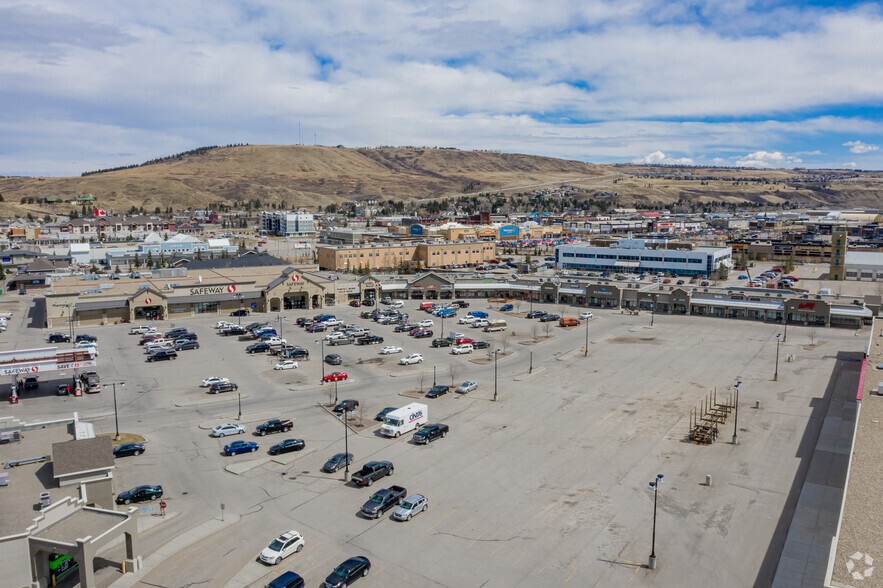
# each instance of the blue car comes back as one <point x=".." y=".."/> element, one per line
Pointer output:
<point x="478" y="314"/>
<point x="447" y="313"/>
<point x="238" y="447"/>
<point x="506" y="307"/>
<point x="287" y="580"/>
<point x="743" y="277"/>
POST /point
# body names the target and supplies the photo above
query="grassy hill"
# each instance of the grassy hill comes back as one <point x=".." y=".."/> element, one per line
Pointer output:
<point x="311" y="176"/>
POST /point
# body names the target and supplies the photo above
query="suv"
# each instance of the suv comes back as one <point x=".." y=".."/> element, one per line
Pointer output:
<point x="163" y="354"/>
<point x="462" y="348"/>
<point x="59" y="338"/>
<point x="223" y="387"/>
<point x="184" y="344"/>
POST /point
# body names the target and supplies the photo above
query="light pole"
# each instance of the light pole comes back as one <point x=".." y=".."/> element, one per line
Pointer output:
<point x="346" y="445"/>
<point x="655" y="487"/>
<point x="778" y="340"/>
<point x="335" y="392"/>
<point x="587" y="339"/>
<point x="495" y="354"/>
<point x="785" y="338"/>
<point x="736" y="419"/>
<point x="530" y="370"/>
<point x="322" y="359"/>
<point x="116" y="417"/>
<point x="240" y="309"/>
<point x="652" y="312"/>
<point x="433" y="375"/>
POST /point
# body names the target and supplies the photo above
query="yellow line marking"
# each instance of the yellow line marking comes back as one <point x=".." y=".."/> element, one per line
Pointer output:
<point x="570" y="576"/>
<point x="319" y="564"/>
<point x="541" y="570"/>
<point x="480" y="536"/>
<point x="453" y="512"/>
<point x="502" y="543"/>
<point x="519" y="557"/>
<point x="399" y="582"/>
<point x="310" y="548"/>
<point x="458" y="528"/>
<point x="599" y="579"/>
<point x="633" y="575"/>
<point x="406" y="523"/>
<point x="375" y="573"/>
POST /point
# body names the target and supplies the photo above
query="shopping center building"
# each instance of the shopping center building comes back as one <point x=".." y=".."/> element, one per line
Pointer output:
<point x="644" y="255"/>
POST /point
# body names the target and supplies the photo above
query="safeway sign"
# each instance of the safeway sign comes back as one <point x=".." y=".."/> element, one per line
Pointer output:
<point x="294" y="277"/>
<point x="231" y="288"/>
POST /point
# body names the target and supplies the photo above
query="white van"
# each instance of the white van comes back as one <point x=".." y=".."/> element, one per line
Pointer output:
<point x="397" y="304"/>
<point x="404" y="419"/>
<point x="462" y="348"/>
<point x="497" y="325"/>
<point x="479" y="323"/>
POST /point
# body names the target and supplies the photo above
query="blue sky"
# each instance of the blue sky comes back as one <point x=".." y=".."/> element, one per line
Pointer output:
<point x="761" y="83"/>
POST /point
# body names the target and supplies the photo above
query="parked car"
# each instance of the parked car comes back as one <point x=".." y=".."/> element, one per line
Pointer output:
<point x="441" y="343"/>
<point x="237" y="447"/>
<point x="316" y="328"/>
<point x="390" y="349"/>
<point x="428" y="433"/>
<point x="162" y="355"/>
<point x="355" y="303"/>
<point x="368" y="302"/>
<point x="370" y="340"/>
<point x="142" y="330"/>
<point x="288" y="364"/>
<point x="348" y="572"/>
<point x="411" y="359"/>
<point x="506" y="307"/>
<point x="84" y="337"/>
<point x="281" y="547"/>
<point x="335" y="377"/>
<point x="228" y="429"/>
<point x="461" y="349"/>
<point x="212" y="380"/>
<point x="241" y="312"/>
<point x="128" y="449"/>
<point x="411" y="507"/>
<point x="536" y="314"/>
<point x="287" y="580"/>
<point x="298" y="353"/>
<point x="185" y="345"/>
<point x="287" y="446"/>
<point x="221" y="387"/>
<point x="383" y="500"/>
<point x="480" y="344"/>
<point x="423" y="334"/>
<point x="333" y="359"/>
<point x="585" y="315"/>
<point x="437" y="391"/>
<point x="31" y="382"/>
<point x="478" y="314"/>
<point x="337" y="461"/>
<point x="346" y="405"/>
<point x="175" y="333"/>
<point x="59" y="338"/>
<point x="568" y="322"/>
<point x="139" y="494"/>
<point x="372" y="471"/>
<point x="380" y="415"/>
<point x="274" y="426"/>
<point x="467" y="386"/>
<point x="546" y="318"/>
<point x="405" y="328"/>
<point x="260" y="347"/>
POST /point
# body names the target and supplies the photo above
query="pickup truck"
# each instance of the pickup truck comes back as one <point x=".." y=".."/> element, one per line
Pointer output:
<point x="382" y="500"/>
<point x="370" y="340"/>
<point x="274" y="426"/>
<point x="341" y="341"/>
<point x="373" y="470"/>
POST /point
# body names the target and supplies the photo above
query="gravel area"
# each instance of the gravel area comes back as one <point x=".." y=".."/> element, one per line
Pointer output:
<point x="859" y="558"/>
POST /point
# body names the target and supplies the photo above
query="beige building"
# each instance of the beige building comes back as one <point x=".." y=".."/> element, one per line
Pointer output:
<point x="385" y="256"/>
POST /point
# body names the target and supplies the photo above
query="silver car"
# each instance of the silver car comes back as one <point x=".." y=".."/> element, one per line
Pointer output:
<point x="228" y="429"/>
<point x="413" y="505"/>
<point x="467" y="387"/>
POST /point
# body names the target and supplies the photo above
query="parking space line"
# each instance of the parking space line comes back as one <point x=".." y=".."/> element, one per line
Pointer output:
<point x="406" y="523"/>
<point x="375" y="573"/>
<point x="520" y="556"/>
<point x="541" y="570"/>
<point x="319" y="564"/>
<point x="502" y="543"/>
<point x="570" y="576"/>
<point x="453" y="512"/>
<point x="459" y="528"/>
<point x="480" y="536"/>
<point x="310" y="548"/>
<point x="633" y="575"/>
<point x="399" y="582"/>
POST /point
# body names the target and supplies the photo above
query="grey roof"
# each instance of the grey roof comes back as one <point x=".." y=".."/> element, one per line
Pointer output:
<point x="100" y="304"/>
<point x="252" y="260"/>
<point x="83" y="455"/>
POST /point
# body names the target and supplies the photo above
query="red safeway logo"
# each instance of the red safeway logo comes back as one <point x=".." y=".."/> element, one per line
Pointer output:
<point x="35" y="368"/>
<point x="148" y="300"/>
<point x="231" y="288"/>
<point x="294" y="277"/>
<point x="806" y="306"/>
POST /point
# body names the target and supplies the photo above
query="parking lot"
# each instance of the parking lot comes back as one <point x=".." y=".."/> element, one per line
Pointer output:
<point x="546" y="486"/>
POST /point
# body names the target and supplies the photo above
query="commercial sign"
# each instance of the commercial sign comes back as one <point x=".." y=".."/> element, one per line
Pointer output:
<point x="416" y="230"/>
<point x="509" y="231"/>
<point x="295" y="277"/>
<point x="806" y="306"/>
<point x="231" y="288"/>
<point x="212" y="290"/>
<point x="75" y="365"/>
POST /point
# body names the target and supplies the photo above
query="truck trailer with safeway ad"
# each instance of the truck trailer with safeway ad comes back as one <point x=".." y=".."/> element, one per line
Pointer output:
<point x="404" y="419"/>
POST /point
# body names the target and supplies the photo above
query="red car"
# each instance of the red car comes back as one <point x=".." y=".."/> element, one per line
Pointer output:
<point x="335" y="376"/>
<point x="355" y="303"/>
<point x="463" y="340"/>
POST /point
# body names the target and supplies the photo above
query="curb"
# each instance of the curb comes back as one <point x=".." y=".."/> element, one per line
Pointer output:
<point x="527" y="376"/>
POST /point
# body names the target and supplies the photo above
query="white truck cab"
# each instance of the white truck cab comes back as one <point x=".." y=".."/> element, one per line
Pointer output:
<point x="404" y="419"/>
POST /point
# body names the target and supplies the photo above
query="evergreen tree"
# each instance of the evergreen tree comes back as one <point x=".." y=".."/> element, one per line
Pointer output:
<point x="2" y="271"/>
<point x="149" y="259"/>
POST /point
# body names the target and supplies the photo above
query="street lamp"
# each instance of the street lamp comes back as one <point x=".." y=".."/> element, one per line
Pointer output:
<point x="433" y="375"/>
<point x="335" y="392"/>
<point x="116" y="417"/>
<point x="652" y="311"/>
<point x="736" y="419"/>
<point x="778" y="340"/>
<point x="587" y="339"/>
<point x="322" y="359"/>
<point x="654" y="485"/>
<point x="239" y="398"/>
<point x="240" y="309"/>
<point x="495" y="353"/>
<point x="346" y="445"/>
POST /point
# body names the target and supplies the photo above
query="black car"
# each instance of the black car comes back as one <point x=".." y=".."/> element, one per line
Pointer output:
<point x="437" y="391"/>
<point x="480" y="344"/>
<point x="370" y="340"/>
<point x="187" y="337"/>
<point x="297" y="353"/>
<point x="287" y="446"/>
<point x="260" y="347"/>
<point x="536" y="314"/>
<point x="85" y="337"/>
<point x="139" y="494"/>
<point x="184" y="344"/>
<point x="300" y="322"/>
<point x="333" y="359"/>
<point x="441" y="342"/>
<point x="338" y="461"/>
<point x="59" y="338"/>
<point x="242" y="312"/>
<point x="175" y="333"/>
<point x="223" y="387"/>
<point x="423" y="333"/>
<point x="163" y="355"/>
<point x="316" y="328"/>
<point x="428" y="433"/>
<point x="461" y="303"/>
<point x="405" y="328"/>
<point x="287" y="580"/>
<point x="368" y="302"/>
<point x="347" y="572"/>
<point x="128" y="449"/>
<point x="233" y="331"/>
<point x="349" y="405"/>
<point x="380" y="415"/>
<point x="31" y="383"/>
<point x="546" y="318"/>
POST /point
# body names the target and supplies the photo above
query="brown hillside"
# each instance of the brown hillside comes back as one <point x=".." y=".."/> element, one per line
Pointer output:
<point x="307" y="177"/>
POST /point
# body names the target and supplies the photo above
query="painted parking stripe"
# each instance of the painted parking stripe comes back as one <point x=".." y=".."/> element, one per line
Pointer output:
<point x="459" y="528"/>
<point x="453" y="512"/>
<point x="480" y="536"/>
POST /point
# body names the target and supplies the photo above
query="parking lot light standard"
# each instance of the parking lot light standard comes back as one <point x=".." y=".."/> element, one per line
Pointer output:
<point x="736" y="418"/>
<point x="587" y="338"/>
<point x="322" y="358"/>
<point x="654" y="485"/>
<point x="495" y="354"/>
<point x="116" y="417"/>
<point x="239" y="398"/>
<point x="776" y="374"/>
<point x="346" y="446"/>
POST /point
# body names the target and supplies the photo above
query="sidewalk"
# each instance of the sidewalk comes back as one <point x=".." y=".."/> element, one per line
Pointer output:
<point x="179" y="543"/>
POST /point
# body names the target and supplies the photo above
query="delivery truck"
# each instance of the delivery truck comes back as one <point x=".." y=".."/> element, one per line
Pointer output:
<point x="404" y="419"/>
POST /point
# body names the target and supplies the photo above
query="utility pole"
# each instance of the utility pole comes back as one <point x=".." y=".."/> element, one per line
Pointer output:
<point x="736" y="417"/>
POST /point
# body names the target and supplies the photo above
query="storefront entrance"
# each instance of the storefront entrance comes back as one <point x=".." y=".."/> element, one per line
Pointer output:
<point x="150" y="313"/>
<point x="294" y="302"/>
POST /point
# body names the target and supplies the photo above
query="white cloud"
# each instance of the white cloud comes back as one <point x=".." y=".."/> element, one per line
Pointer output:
<point x="859" y="147"/>
<point x="660" y="158"/>
<point x="768" y="159"/>
<point x="850" y="164"/>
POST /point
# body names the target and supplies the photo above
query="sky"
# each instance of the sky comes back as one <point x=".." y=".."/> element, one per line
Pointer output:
<point x="767" y="83"/>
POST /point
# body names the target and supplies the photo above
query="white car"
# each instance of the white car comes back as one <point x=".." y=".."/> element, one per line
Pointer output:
<point x="460" y="349"/>
<point x="467" y="320"/>
<point x="142" y="330"/>
<point x="586" y="316"/>
<point x="281" y="547"/>
<point x="478" y="323"/>
<point x="390" y="349"/>
<point x="211" y="381"/>
<point x="288" y="364"/>
<point x="411" y="358"/>
<point x="332" y="322"/>
<point x="466" y="387"/>
<point x="82" y="344"/>
<point x="425" y="323"/>
<point x="228" y="429"/>
<point x="224" y="324"/>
